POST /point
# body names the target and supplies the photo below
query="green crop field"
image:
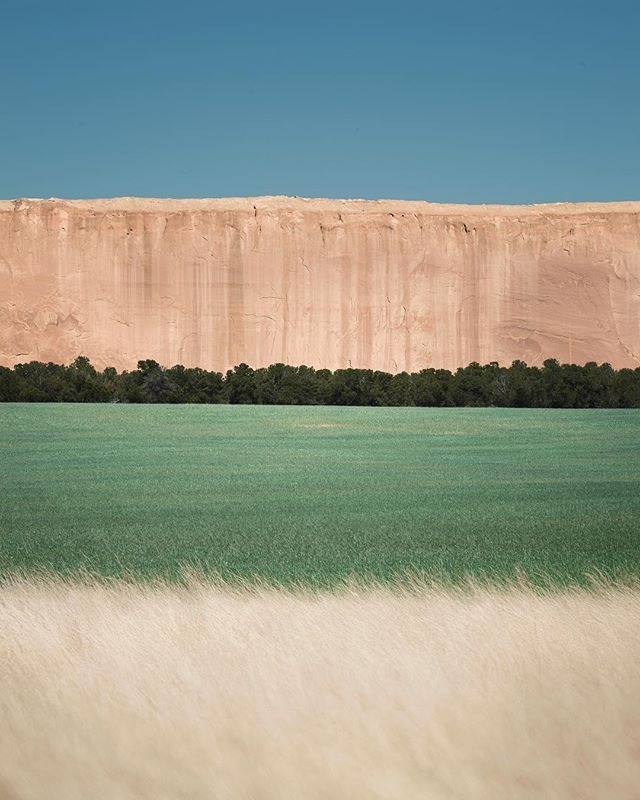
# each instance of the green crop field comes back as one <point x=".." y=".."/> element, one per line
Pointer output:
<point x="315" y="494"/>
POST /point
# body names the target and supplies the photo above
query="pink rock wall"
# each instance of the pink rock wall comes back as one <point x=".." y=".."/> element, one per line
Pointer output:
<point x="389" y="285"/>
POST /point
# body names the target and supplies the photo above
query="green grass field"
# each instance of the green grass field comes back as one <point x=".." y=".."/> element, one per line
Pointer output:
<point x="318" y="494"/>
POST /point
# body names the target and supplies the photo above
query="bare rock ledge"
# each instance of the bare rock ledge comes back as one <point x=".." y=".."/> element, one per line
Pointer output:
<point x="387" y="285"/>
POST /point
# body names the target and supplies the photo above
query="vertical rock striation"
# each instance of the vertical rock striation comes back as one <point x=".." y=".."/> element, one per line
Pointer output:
<point x="388" y="285"/>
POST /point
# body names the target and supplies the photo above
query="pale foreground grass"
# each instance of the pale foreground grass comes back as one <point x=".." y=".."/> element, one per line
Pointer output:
<point x="128" y="691"/>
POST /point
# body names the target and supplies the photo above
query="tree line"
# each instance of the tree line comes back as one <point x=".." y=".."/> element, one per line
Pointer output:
<point x="553" y="385"/>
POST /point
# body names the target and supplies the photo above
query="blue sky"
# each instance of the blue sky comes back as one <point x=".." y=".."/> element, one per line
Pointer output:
<point x="508" y="102"/>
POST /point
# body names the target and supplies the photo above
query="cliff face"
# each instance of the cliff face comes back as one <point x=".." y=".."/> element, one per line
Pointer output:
<point x="388" y="285"/>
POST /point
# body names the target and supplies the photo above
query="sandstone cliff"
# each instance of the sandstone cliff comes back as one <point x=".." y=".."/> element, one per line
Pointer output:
<point x="389" y="285"/>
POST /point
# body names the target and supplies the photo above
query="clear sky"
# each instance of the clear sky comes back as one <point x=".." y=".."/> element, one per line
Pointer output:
<point x="469" y="101"/>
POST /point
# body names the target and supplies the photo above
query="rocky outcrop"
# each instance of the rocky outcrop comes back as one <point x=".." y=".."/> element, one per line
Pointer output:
<point x="389" y="285"/>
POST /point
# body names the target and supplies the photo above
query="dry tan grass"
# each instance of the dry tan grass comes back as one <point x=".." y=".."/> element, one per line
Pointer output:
<point x="127" y="691"/>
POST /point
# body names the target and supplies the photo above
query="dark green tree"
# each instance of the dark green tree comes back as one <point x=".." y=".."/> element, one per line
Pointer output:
<point x="240" y="385"/>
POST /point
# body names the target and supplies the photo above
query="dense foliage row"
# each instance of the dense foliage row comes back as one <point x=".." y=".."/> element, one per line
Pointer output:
<point x="552" y="386"/>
